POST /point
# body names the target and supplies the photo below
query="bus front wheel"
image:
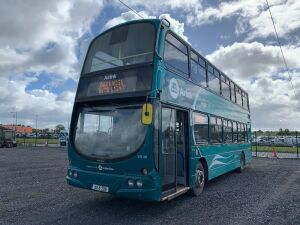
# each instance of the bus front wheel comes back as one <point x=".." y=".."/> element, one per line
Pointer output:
<point x="199" y="180"/>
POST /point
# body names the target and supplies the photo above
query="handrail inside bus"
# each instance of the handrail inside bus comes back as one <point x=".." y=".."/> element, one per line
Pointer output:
<point x="127" y="57"/>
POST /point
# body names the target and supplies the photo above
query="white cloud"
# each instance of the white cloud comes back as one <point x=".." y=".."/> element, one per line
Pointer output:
<point x="245" y="60"/>
<point x="50" y="108"/>
<point x="29" y="28"/>
<point x="286" y="17"/>
<point x="176" y="26"/>
<point x="157" y="7"/>
<point x="273" y="103"/>
<point x="253" y="16"/>
<point x="244" y="8"/>
<point x="124" y="17"/>
<point x="37" y="37"/>
<point x="257" y="69"/>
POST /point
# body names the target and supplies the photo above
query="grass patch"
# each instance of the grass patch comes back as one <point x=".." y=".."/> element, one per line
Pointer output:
<point x="277" y="149"/>
<point x="38" y="140"/>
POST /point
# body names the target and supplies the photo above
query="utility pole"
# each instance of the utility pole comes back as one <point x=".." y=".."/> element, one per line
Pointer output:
<point x="16" y="115"/>
<point x="36" y="117"/>
<point x="68" y="123"/>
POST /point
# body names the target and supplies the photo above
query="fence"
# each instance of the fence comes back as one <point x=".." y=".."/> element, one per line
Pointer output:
<point x="279" y="146"/>
<point x="40" y="141"/>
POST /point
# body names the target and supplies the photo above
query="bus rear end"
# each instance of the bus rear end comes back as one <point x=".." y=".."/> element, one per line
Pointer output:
<point x="110" y="149"/>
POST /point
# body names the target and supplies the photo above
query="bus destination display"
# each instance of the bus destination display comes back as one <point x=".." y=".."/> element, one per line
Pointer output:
<point x="129" y="81"/>
<point x="111" y="86"/>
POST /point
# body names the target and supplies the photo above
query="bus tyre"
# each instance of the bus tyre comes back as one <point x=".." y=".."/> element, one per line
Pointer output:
<point x="242" y="164"/>
<point x="199" y="180"/>
<point x="8" y="145"/>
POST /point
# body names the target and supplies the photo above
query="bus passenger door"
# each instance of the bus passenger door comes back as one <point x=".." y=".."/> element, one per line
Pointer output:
<point x="182" y="147"/>
<point x="168" y="165"/>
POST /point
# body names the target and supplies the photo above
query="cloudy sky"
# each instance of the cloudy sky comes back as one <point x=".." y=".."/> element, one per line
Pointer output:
<point x="43" y="44"/>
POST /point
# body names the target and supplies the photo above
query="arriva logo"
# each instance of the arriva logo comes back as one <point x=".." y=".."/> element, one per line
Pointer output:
<point x="174" y="88"/>
<point x="100" y="167"/>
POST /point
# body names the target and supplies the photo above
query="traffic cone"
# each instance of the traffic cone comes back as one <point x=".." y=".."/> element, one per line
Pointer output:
<point x="274" y="154"/>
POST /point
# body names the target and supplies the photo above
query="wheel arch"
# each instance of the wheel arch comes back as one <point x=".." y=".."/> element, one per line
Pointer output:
<point x="243" y="153"/>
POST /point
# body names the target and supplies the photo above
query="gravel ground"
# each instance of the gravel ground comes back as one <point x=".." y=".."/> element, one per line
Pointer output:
<point x="279" y="155"/>
<point x="33" y="190"/>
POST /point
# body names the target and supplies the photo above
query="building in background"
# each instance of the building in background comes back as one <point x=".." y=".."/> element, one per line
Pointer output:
<point x="19" y="128"/>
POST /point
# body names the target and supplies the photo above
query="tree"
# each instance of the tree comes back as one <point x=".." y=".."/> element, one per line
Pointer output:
<point x="59" y="128"/>
<point x="260" y="132"/>
<point x="286" y="132"/>
<point x="46" y="130"/>
<point x="280" y="132"/>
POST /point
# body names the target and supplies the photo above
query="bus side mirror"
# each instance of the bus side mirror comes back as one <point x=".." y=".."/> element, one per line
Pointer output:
<point x="147" y="112"/>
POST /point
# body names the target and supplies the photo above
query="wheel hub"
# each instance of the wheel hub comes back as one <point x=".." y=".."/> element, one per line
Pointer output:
<point x="242" y="164"/>
<point x="199" y="177"/>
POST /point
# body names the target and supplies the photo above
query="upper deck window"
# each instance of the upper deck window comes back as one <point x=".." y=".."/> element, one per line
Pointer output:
<point x="213" y="79"/>
<point x="238" y="94"/>
<point x="198" y="73"/>
<point x="225" y="87"/>
<point x="175" y="54"/>
<point x="245" y="100"/>
<point x="125" y="45"/>
<point x="232" y="96"/>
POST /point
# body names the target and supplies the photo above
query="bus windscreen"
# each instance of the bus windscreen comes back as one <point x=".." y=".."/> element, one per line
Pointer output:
<point x="109" y="132"/>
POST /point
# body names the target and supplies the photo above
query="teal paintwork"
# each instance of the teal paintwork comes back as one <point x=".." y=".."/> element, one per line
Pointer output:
<point x="219" y="158"/>
<point x="195" y="97"/>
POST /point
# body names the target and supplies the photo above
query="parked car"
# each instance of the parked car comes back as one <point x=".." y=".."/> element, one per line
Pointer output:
<point x="63" y="138"/>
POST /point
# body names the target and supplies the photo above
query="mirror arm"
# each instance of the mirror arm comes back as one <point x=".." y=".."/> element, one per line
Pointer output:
<point x="158" y="56"/>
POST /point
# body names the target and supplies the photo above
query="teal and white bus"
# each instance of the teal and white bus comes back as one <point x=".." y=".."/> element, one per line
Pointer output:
<point x="152" y="118"/>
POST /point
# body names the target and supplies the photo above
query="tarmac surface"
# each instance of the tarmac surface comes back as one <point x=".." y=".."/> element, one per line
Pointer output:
<point x="33" y="190"/>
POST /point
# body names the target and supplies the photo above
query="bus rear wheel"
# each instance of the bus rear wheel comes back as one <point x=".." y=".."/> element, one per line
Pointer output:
<point x="199" y="180"/>
<point x="242" y="163"/>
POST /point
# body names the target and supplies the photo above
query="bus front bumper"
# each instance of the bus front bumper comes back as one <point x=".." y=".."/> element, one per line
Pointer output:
<point x="116" y="185"/>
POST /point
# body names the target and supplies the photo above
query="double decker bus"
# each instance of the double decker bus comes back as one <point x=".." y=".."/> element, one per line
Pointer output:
<point x="152" y="118"/>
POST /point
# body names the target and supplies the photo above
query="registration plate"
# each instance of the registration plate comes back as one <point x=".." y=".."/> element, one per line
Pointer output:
<point x="100" y="188"/>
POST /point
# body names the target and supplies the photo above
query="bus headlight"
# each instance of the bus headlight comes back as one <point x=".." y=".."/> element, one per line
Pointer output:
<point x="70" y="173"/>
<point x="139" y="183"/>
<point x="130" y="183"/>
<point x="144" y="171"/>
<point x="75" y="174"/>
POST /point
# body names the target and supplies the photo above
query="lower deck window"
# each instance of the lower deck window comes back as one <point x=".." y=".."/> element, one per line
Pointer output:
<point x="200" y="128"/>
<point x="235" y="132"/>
<point x="215" y="126"/>
<point x="242" y="135"/>
<point x="218" y="130"/>
<point x="227" y="127"/>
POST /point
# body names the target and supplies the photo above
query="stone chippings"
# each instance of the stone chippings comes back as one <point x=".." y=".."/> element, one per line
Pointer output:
<point x="33" y="190"/>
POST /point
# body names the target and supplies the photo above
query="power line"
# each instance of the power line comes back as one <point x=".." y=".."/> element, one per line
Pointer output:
<point x="131" y="9"/>
<point x="279" y="44"/>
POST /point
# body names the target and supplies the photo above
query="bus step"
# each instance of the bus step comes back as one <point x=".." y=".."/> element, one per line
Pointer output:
<point x="180" y="191"/>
